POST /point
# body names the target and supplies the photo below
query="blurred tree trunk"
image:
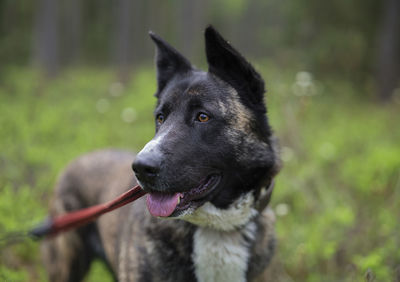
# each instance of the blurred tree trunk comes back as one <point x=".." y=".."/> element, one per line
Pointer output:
<point x="46" y="51"/>
<point x="138" y="31"/>
<point x="72" y="28"/>
<point x="188" y="12"/>
<point x="123" y="37"/>
<point x="388" y="69"/>
<point x="192" y="13"/>
<point x="249" y="28"/>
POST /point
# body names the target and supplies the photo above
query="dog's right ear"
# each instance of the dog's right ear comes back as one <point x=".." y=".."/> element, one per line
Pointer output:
<point x="169" y="62"/>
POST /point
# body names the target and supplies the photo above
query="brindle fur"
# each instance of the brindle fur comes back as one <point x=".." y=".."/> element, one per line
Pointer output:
<point x="133" y="244"/>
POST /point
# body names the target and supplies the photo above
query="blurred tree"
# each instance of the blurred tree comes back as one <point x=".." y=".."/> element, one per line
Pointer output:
<point x="388" y="57"/>
<point x="15" y="31"/>
<point x="250" y="27"/>
<point x="71" y="29"/>
<point x="356" y="40"/>
<point x="139" y="32"/>
<point x="46" y="52"/>
<point x="335" y="38"/>
<point x="98" y="27"/>
<point x="123" y="36"/>
<point x="192" y="15"/>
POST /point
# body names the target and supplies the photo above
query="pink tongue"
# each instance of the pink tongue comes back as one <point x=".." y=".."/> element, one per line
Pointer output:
<point x="162" y="204"/>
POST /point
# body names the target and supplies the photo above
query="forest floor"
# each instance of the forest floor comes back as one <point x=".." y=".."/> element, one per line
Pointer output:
<point x="336" y="198"/>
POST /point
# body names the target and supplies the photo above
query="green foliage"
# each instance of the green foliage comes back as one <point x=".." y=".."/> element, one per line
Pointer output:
<point x="98" y="272"/>
<point x="340" y="184"/>
<point x="336" y="198"/>
<point x="8" y="274"/>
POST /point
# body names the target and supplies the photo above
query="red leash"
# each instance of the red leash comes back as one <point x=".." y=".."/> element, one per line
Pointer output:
<point x="78" y="218"/>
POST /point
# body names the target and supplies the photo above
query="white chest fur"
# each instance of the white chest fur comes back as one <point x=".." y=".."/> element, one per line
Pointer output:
<point x="237" y="214"/>
<point x="222" y="255"/>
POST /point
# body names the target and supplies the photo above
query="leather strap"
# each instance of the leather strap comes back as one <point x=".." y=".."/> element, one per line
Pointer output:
<point x="74" y="219"/>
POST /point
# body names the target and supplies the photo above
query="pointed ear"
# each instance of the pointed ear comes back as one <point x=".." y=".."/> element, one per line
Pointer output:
<point x="229" y="65"/>
<point x="169" y="62"/>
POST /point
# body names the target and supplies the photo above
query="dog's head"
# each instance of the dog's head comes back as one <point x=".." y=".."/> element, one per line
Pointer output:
<point x="213" y="146"/>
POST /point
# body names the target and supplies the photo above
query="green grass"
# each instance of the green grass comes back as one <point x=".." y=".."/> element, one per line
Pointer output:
<point x="337" y="197"/>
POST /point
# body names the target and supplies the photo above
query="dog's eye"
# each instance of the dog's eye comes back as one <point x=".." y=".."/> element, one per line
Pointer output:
<point x="160" y="118"/>
<point x="202" y="117"/>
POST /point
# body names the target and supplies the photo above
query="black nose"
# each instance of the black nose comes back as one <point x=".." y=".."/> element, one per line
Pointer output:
<point x="146" y="167"/>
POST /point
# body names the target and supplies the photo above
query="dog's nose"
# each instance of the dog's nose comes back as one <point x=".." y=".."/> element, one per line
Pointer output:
<point x="146" y="167"/>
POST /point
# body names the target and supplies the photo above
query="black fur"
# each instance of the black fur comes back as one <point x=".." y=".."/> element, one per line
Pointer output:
<point x="231" y="154"/>
<point x="213" y="154"/>
<point x="229" y="65"/>
<point x="169" y="62"/>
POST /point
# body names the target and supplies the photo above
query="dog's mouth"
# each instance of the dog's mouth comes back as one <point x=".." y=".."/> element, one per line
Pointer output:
<point x="162" y="204"/>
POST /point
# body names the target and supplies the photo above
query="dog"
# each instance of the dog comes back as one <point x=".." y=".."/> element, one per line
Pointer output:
<point x="208" y="172"/>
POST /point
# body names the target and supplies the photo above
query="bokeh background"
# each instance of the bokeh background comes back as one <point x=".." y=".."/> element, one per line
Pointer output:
<point x="76" y="76"/>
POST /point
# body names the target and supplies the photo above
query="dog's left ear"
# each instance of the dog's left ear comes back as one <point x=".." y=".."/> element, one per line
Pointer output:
<point x="169" y="62"/>
<point x="229" y="65"/>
